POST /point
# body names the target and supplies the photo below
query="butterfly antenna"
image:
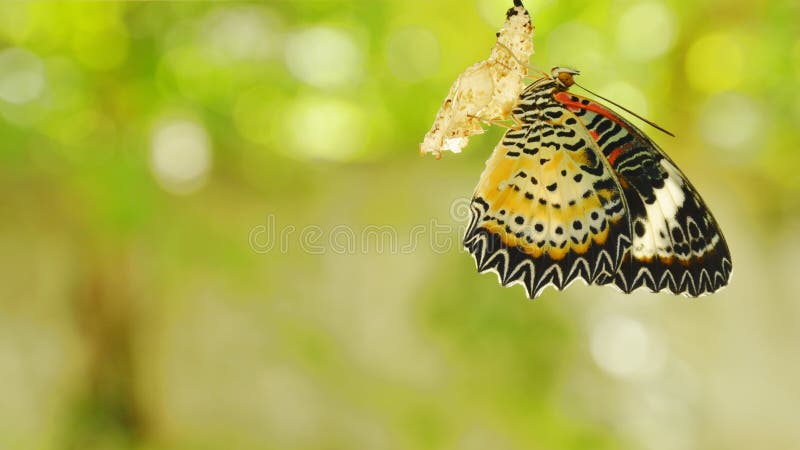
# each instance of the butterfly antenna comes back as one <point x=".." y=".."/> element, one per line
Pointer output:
<point x="649" y="122"/>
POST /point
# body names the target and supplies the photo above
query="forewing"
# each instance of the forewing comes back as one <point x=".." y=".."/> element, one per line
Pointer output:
<point x="547" y="209"/>
<point x="677" y="244"/>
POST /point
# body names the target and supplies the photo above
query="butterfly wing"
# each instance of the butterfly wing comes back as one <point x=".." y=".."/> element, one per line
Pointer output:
<point x="548" y="209"/>
<point x="677" y="244"/>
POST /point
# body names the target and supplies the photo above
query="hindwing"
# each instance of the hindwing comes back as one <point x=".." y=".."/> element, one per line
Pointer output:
<point x="677" y="244"/>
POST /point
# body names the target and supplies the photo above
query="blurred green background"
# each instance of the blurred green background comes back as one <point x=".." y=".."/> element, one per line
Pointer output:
<point x="217" y="232"/>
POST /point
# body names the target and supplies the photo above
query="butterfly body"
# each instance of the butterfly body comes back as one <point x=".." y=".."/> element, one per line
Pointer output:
<point x="577" y="192"/>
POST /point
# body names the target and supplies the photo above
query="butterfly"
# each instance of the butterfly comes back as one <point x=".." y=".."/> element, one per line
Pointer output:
<point x="578" y="192"/>
<point x="487" y="91"/>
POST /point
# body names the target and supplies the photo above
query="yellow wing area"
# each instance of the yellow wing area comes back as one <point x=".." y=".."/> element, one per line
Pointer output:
<point x="548" y="198"/>
<point x="547" y="209"/>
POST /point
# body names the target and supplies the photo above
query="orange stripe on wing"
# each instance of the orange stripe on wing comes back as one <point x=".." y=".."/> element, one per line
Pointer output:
<point x="566" y="99"/>
<point x="615" y="154"/>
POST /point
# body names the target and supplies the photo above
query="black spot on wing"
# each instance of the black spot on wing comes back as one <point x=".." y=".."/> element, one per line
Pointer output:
<point x="580" y="143"/>
<point x="535" y="273"/>
<point x="569" y="133"/>
<point x="607" y="135"/>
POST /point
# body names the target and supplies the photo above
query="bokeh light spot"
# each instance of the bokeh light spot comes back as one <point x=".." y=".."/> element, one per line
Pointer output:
<point x="324" y="128"/>
<point x="714" y="63"/>
<point x="324" y="57"/>
<point x="646" y="31"/>
<point x="22" y="76"/>
<point x="240" y="33"/>
<point x="413" y="53"/>
<point x="730" y="121"/>
<point x="625" y="348"/>
<point x="180" y="156"/>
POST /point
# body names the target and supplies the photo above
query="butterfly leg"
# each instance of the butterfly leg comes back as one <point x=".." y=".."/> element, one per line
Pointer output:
<point x="516" y="126"/>
<point x="501" y="122"/>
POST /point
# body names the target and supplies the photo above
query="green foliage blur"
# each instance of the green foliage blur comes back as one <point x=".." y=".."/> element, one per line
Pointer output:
<point x="217" y="232"/>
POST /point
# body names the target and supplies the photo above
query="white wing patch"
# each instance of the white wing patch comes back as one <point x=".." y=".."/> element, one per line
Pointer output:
<point x="664" y="232"/>
<point x="661" y="218"/>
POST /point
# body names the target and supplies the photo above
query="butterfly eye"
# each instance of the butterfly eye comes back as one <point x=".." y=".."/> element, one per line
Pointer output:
<point x="564" y="76"/>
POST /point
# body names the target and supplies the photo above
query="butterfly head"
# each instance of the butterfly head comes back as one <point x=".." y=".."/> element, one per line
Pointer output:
<point x="564" y="76"/>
